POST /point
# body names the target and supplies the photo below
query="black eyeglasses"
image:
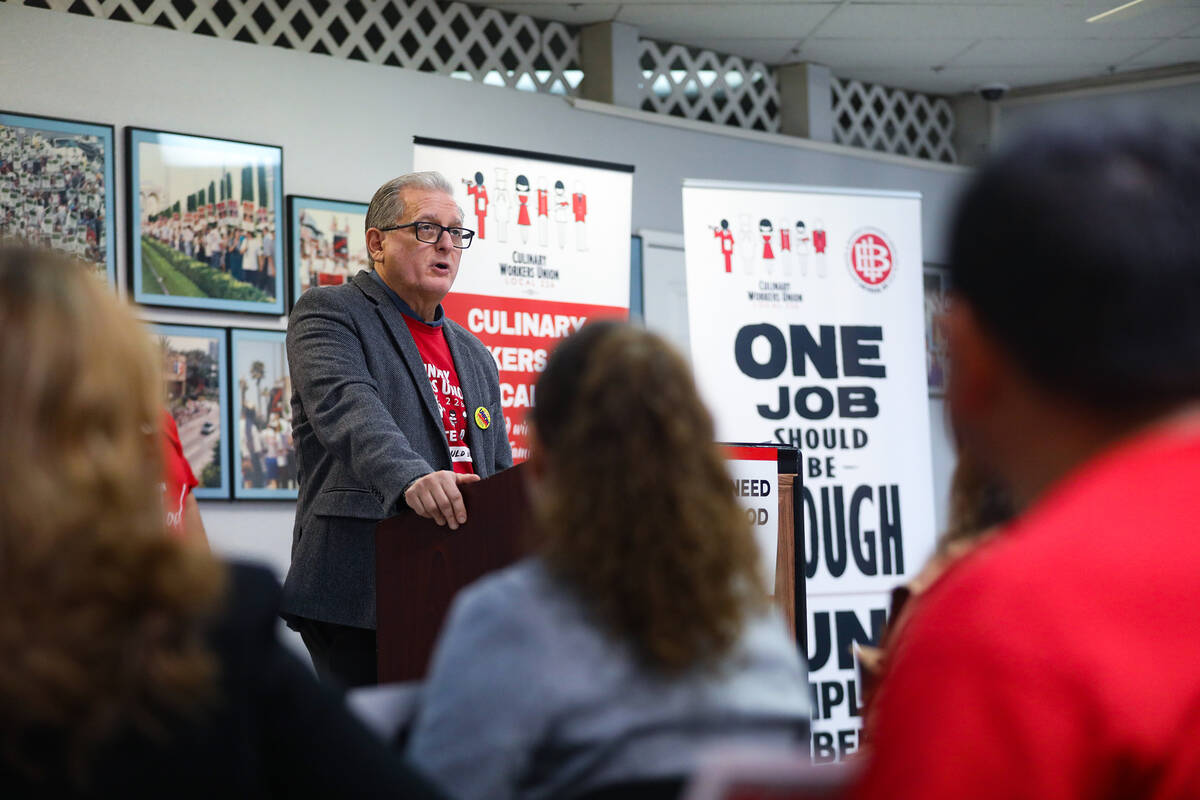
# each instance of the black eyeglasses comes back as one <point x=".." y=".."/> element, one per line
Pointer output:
<point x="431" y="233"/>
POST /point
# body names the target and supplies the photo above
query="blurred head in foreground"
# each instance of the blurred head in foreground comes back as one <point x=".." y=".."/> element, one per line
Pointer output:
<point x="1075" y="265"/>
<point x="101" y="612"/>
<point x="636" y="507"/>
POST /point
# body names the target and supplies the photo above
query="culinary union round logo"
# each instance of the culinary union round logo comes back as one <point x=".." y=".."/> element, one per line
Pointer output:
<point x="871" y="258"/>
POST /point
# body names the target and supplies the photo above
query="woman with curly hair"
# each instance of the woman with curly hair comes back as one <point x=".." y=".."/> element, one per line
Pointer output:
<point x="640" y="632"/>
<point x="131" y="663"/>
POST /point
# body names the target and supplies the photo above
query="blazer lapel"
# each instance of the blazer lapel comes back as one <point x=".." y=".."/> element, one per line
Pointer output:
<point x="393" y="320"/>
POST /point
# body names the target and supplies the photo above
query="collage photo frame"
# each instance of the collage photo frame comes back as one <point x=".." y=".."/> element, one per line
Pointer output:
<point x="57" y="188"/>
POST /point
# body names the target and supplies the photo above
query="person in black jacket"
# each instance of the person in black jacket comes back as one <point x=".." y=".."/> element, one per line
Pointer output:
<point x="132" y="664"/>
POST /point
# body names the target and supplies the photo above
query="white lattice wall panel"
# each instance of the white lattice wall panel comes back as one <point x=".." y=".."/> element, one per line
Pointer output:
<point x="455" y="39"/>
<point x="702" y="85"/>
<point x="892" y="120"/>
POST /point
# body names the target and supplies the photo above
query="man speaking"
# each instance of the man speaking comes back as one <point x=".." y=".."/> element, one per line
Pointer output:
<point x="394" y="407"/>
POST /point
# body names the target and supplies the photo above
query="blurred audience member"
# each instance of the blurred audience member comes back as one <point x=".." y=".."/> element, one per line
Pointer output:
<point x="130" y="664"/>
<point x="641" y="631"/>
<point x="1062" y="659"/>
<point x="183" y="513"/>
<point x="979" y="505"/>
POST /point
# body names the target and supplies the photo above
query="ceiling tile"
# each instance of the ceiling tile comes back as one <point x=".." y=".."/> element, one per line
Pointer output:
<point x="1019" y="42"/>
<point x="1175" y="51"/>
<point x="922" y="20"/>
<point x="1051" y="53"/>
<point x="869" y="53"/>
<point x="685" y="22"/>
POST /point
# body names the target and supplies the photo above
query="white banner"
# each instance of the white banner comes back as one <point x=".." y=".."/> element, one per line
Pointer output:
<point x="551" y="252"/>
<point x="806" y="327"/>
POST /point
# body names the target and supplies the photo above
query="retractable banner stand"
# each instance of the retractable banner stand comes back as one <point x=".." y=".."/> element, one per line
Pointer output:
<point x="806" y="329"/>
<point x="551" y="252"/>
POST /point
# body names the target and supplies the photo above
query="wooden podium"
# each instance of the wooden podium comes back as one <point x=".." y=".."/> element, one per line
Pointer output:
<point x="420" y="565"/>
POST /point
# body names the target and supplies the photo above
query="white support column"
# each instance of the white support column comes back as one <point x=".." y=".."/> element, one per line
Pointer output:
<point x="806" y="101"/>
<point x="608" y="52"/>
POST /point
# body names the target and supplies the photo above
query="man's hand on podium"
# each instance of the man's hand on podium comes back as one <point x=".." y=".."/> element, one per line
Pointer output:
<point x="436" y="496"/>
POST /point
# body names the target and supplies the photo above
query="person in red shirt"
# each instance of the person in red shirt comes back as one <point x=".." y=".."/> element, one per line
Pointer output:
<point x="1062" y="659"/>
<point x="183" y="513"/>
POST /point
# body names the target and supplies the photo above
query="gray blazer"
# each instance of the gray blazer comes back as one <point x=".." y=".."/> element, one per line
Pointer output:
<point x="366" y="424"/>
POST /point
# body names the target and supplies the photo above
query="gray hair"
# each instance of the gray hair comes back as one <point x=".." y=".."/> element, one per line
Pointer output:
<point x="387" y="205"/>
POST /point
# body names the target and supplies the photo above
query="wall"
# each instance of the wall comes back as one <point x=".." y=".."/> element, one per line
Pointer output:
<point x="346" y="126"/>
<point x="1179" y="97"/>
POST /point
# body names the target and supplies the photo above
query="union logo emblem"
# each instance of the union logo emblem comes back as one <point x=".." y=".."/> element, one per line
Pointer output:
<point x="871" y="258"/>
<point x="482" y="418"/>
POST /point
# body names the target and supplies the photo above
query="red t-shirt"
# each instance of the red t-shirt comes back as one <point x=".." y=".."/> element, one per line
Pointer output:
<point x="1061" y="660"/>
<point x="443" y="377"/>
<point x="178" y="478"/>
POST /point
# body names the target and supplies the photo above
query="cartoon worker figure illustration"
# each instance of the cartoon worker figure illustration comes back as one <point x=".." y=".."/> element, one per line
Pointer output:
<point x="818" y="242"/>
<point x="543" y="210"/>
<point x="785" y="250"/>
<point x="523" y="221"/>
<point x="746" y="234"/>
<point x="803" y="246"/>
<point x="726" y="236"/>
<point x="767" y="230"/>
<point x="477" y="190"/>
<point x="502" y="204"/>
<point x="579" y="208"/>
<point x="562" y="212"/>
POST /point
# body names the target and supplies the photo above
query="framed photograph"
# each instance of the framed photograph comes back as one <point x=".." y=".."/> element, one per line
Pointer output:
<point x="264" y="456"/>
<point x="193" y="369"/>
<point x="328" y="242"/>
<point x="937" y="284"/>
<point x="204" y="217"/>
<point x="56" y="187"/>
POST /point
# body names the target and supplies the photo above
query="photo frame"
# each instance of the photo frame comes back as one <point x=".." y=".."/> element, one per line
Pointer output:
<point x="57" y="188"/>
<point x="205" y="217"/>
<point x="327" y="242"/>
<point x="264" y="457"/>
<point x="937" y="284"/>
<point x="194" y="369"/>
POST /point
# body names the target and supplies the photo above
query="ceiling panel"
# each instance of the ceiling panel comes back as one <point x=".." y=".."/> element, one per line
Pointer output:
<point x="1175" y="51"/>
<point x="941" y="46"/>
<point x="685" y="22"/>
<point x="917" y="21"/>
<point x="1027" y="52"/>
<point x="874" y="53"/>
